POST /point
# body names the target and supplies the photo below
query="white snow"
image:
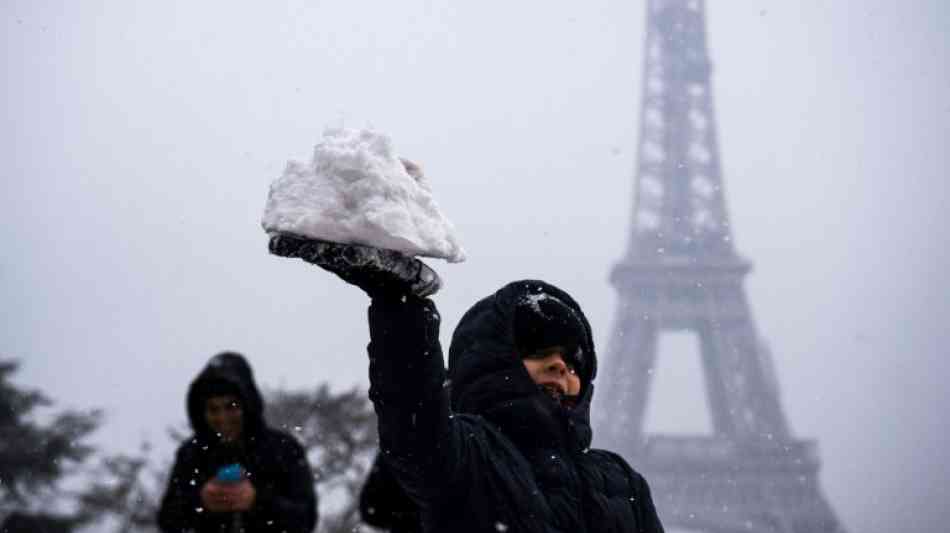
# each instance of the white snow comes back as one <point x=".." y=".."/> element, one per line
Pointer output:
<point x="534" y="300"/>
<point x="357" y="190"/>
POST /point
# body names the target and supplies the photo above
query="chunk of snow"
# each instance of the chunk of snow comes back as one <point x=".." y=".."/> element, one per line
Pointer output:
<point x="357" y="190"/>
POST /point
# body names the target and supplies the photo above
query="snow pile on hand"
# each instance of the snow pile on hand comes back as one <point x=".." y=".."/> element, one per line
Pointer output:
<point x="357" y="191"/>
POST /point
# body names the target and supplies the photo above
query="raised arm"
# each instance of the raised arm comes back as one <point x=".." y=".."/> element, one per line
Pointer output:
<point x="406" y="366"/>
<point x="407" y="375"/>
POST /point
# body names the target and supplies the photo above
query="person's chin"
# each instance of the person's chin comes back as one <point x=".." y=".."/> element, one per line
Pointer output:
<point x="552" y="391"/>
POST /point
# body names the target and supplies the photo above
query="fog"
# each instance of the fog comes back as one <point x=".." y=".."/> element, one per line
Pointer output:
<point x="139" y="140"/>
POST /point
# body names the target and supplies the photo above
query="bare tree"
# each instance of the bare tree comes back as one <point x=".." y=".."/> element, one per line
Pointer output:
<point x="124" y="492"/>
<point x="338" y="430"/>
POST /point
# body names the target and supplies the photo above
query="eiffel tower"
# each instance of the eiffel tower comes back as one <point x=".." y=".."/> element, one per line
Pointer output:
<point x="682" y="273"/>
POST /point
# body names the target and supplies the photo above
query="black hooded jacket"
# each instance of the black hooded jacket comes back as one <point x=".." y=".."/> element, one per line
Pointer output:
<point x="274" y="461"/>
<point x="383" y="503"/>
<point x="486" y="450"/>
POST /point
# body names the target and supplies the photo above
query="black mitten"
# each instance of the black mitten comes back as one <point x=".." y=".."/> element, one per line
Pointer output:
<point x="377" y="271"/>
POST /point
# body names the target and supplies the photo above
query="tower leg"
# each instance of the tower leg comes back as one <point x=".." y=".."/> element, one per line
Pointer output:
<point x="633" y="356"/>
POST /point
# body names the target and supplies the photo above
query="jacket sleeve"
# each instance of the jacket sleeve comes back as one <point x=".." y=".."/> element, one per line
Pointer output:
<point x="178" y="511"/>
<point x="406" y="387"/>
<point x="646" y="512"/>
<point x="292" y="507"/>
<point x="641" y="500"/>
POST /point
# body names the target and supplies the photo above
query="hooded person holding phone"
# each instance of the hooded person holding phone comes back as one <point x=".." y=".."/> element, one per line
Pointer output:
<point x="236" y="474"/>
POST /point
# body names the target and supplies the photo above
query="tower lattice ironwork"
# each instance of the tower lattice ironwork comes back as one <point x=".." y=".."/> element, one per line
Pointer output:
<point x="682" y="272"/>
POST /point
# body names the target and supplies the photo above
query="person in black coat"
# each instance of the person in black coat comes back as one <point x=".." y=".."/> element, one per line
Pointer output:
<point x="236" y="473"/>
<point x="501" y="440"/>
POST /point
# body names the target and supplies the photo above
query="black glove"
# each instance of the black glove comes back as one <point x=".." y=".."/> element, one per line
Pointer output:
<point x="377" y="271"/>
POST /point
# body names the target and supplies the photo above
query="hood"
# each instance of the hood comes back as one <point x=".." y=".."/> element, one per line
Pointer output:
<point x="489" y="379"/>
<point x="228" y="370"/>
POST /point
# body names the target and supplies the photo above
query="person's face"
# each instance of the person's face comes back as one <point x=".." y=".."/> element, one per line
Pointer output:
<point x="224" y="416"/>
<point x="549" y="370"/>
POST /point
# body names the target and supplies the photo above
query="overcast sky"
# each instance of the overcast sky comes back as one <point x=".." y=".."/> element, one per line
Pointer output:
<point x="139" y="138"/>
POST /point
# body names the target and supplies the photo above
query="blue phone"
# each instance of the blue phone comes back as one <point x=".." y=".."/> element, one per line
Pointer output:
<point x="232" y="473"/>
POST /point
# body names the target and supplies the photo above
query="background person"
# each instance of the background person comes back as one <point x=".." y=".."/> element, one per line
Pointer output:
<point x="266" y="483"/>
